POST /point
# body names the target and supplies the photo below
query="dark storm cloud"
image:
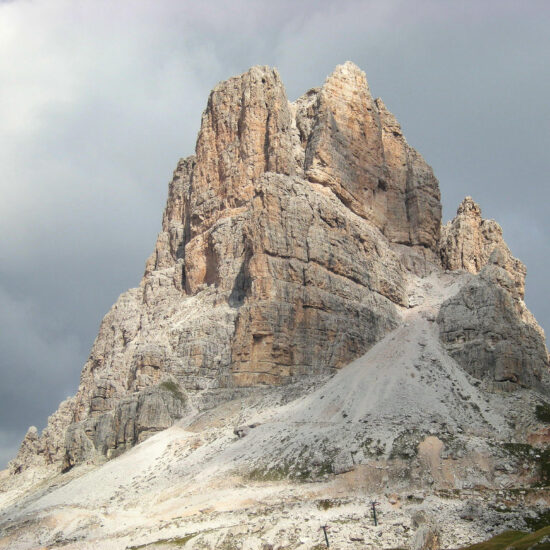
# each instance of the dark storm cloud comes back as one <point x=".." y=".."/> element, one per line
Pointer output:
<point x="98" y="100"/>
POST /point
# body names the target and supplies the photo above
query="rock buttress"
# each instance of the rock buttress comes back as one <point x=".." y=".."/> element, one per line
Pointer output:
<point x="486" y="326"/>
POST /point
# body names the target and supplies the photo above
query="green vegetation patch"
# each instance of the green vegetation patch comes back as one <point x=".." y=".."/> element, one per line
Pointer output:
<point x="544" y="465"/>
<point x="543" y="520"/>
<point x="229" y="543"/>
<point x="372" y="448"/>
<point x="520" y="450"/>
<point x="542" y="412"/>
<point x="302" y="468"/>
<point x="326" y="504"/>
<point x="448" y="493"/>
<point x="176" y="541"/>
<point x="516" y="540"/>
<point x="502" y="541"/>
<point x="173" y="388"/>
<point x="538" y="457"/>
<point x="275" y="473"/>
<point x="294" y="471"/>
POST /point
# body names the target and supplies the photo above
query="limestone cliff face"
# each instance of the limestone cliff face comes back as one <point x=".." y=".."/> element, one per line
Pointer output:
<point x="356" y="147"/>
<point x="468" y="241"/>
<point x="486" y="327"/>
<point x="287" y="244"/>
<point x="299" y="254"/>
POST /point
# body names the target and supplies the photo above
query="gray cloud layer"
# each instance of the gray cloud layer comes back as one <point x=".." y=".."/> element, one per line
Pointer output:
<point x="99" y="99"/>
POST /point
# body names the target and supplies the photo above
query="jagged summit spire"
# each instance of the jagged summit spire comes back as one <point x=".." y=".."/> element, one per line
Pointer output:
<point x="469" y="206"/>
<point x="347" y="68"/>
<point x="255" y="75"/>
<point x="350" y="79"/>
<point x="468" y="242"/>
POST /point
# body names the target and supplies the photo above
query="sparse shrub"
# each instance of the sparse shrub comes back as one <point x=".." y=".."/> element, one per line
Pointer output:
<point x="532" y="455"/>
<point x="176" y="541"/>
<point x="520" y="450"/>
<point x="325" y="504"/>
<point x="405" y="445"/>
<point x="173" y="388"/>
<point x="299" y="468"/>
<point x="544" y="465"/>
<point x="542" y="520"/>
<point x="276" y="473"/>
<point x="542" y="412"/>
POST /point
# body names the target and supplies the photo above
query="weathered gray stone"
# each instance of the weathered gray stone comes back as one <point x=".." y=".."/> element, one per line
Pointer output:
<point x="130" y="421"/>
<point x="486" y="327"/>
<point x="482" y="327"/>
<point x="427" y="537"/>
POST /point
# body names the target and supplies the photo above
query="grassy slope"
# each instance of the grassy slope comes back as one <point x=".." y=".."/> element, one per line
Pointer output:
<point x="516" y="540"/>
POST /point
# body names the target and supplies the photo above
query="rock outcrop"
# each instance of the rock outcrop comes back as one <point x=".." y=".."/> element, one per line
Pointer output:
<point x="287" y="246"/>
<point x="356" y="148"/>
<point x="468" y="241"/>
<point x="486" y="326"/>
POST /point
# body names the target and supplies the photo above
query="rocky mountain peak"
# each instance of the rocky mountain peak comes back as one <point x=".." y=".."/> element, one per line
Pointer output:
<point x="348" y="79"/>
<point x="297" y="237"/>
<point x="469" y="242"/>
<point x="304" y="317"/>
<point x="469" y="207"/>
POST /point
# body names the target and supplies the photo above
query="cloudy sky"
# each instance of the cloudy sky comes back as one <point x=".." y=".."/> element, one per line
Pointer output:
<point x="99" y="99"/>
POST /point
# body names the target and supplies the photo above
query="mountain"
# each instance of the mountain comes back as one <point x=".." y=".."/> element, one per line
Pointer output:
<point x="307" y="337"/>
